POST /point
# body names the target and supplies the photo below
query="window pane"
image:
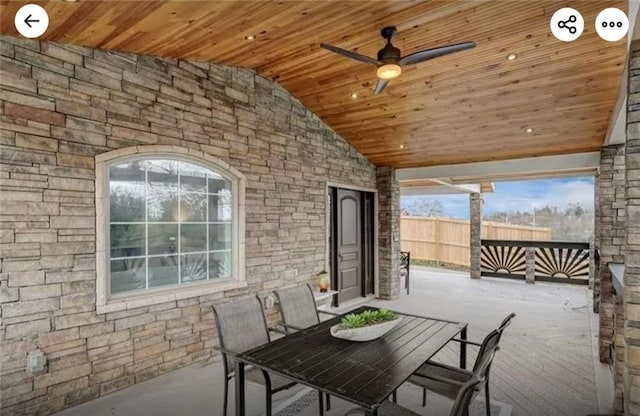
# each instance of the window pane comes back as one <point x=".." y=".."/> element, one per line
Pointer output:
<point x="220" y="265"/>
<point x="219" y="208"/>
<point x="192" y="178"/>
<point x="163" y="238"/>
<point x="127" y="275"/>
<point x="218" y="184"/>
<point x="194" y="237"/>
<point x="193" y="207"/>
<point x="194" y="267"/>
<point x="126" y="192"/>
<point x="220" y="237"/>
<point x="127" y="240"/>
<point x="163" y="271"/>
<point x="162" y="197"/>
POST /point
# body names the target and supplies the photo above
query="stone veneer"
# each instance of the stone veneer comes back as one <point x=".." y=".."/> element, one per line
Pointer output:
<point x="62" y="105"/>
<point x="631" y="302"/>
<point x="611" y="229"/>
<point x="475" y="234"/>
<point x="389" y="233"/>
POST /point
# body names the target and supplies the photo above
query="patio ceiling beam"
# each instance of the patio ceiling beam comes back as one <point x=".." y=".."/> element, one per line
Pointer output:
<point x="467" y="188"/>
<point x="586" y="163"/>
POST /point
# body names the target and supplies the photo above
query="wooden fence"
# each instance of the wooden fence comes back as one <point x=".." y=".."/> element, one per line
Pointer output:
<point x="446" y="240"/>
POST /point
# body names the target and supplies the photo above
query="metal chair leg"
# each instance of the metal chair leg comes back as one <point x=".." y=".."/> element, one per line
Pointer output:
<point x="424" y="397"/>
<point x="320" y="403"/>
<point x="268" y="393"/>
<point x="394" y="396"/>
<point x="226" y="396"/>
<point x="486" y="398"/>
<point x="328" y="402"/>
<point x="407" y="284"/>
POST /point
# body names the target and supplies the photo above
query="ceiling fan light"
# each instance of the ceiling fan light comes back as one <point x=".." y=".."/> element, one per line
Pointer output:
<point x="389" y="71"/>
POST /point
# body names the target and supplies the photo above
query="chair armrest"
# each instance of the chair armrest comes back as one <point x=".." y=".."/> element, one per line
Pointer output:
<point x="278" y="330"/>
<point x="329" y="313"/>
<point x="439" y="379"/>
<point x="224" y="350"/>
<point x="464" y="341"/>
<point x="290" y="327"/>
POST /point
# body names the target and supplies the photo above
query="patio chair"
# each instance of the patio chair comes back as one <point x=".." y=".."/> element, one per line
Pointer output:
<point x="466" y="393"/>
<point x="299" y="311"/>
<point x="445" y="380"/>
<point x="405" y="265"/>
<point x="298" y="307"/>
<point x="241" y="325"/>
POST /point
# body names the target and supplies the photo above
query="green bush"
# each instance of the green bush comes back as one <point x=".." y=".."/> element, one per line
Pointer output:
<point x="366" y="318"/>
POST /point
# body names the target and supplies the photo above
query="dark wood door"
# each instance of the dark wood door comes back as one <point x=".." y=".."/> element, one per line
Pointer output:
<point x="349" y="244"/>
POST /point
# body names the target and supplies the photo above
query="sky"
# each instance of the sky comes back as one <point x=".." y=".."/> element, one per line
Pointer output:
<point x="519" y="196"/>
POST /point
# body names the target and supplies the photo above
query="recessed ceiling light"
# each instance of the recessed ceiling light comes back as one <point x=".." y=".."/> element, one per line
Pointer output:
<point x="250" y="37"/>
<point x="401" y="146"/>
<point x="354" y="95"/>
<point x="529" y="130"/>
<point x="512" y="57"/>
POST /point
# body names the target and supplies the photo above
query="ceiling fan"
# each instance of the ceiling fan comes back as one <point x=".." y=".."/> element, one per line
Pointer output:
<point x="390" y="62"/>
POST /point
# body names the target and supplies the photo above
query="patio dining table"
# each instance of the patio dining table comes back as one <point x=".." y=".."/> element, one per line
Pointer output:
<point x="363" y="373"/>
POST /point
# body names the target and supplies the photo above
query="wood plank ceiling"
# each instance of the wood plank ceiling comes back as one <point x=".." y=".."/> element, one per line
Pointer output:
<point x="467" y="107"/>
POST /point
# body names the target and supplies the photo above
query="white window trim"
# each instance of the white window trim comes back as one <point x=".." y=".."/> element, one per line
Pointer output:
<point x="105" y="303"/>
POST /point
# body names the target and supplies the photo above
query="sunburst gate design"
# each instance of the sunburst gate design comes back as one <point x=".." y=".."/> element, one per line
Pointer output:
<point x="554" y="261"/>
<point x="562" y="263"/>
<point x="502" y="260"/>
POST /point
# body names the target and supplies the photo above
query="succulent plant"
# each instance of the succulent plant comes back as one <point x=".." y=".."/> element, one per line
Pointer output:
<point x="366" y="318"/>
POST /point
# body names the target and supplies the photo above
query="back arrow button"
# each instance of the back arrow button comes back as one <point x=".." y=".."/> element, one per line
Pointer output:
<point x="28" y="21"/>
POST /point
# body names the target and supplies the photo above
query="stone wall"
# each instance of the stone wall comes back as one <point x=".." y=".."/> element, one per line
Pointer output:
<point x="62" y="105"/>
<point x="611" y="244"/>
<point x="610" y="241"/>
<point x="631" y="301"/>
<point x="389" y="233"/>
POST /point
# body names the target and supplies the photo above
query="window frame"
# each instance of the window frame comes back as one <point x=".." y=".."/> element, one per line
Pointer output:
<point x="105" y="301"/>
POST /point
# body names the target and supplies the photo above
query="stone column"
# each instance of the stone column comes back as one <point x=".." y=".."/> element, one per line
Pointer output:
<point x="611" y="229"/>
<point x="475" y="224"/>
<point x="631" y="300"/>
<point x="530" y="261"/>
<point x="388" y="233"/>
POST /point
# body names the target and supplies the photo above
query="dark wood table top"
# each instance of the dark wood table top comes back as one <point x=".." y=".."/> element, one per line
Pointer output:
<point x="363" y="373"/>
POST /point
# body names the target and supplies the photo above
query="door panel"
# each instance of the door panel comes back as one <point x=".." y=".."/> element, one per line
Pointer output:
<point x="349" y="244"/>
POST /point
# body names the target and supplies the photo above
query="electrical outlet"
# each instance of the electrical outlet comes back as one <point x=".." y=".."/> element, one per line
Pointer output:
<point x="36" y="361"/>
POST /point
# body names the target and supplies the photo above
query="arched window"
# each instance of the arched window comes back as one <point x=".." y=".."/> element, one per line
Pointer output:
<point x="171" y="221"/>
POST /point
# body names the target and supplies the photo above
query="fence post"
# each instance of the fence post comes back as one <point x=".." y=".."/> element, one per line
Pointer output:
<point x="530" y="257"/>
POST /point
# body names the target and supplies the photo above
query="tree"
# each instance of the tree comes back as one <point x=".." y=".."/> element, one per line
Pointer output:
<point x="424" y="207"/>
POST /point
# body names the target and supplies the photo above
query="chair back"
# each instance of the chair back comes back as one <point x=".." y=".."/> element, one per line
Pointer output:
<point x="405" y="259"/>
<point x="506" y="322"/>
<point x="241" y="326"/>
<point x="298" y="306"/>
<point x="489" y="343"/>
<point x="464" y="397"/>
<point x="469" y="389"/>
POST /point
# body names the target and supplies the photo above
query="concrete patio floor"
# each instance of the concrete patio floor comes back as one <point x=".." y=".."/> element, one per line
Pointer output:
<point x="546" y="365"/>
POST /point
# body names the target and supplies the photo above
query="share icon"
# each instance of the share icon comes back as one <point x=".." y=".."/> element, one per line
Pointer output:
<point x="564" y="24"/>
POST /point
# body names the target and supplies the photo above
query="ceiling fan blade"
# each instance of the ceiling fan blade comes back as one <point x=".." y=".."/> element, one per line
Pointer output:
<point x="380" y="86"/>
<point x="350" y="54"/>
<point x="425" y="55"/>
